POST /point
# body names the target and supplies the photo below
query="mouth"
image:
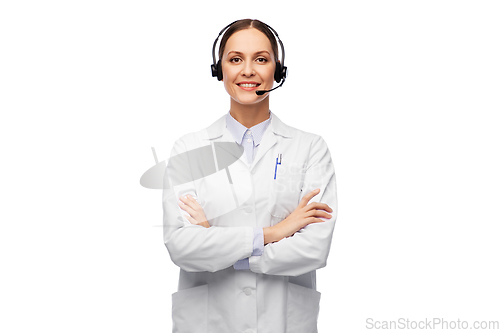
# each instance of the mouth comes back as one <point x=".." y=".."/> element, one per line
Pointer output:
<point x="248" y="85"/>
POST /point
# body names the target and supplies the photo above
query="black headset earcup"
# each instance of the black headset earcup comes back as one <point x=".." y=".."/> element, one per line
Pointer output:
<point x="213" y="67"/>
<point x="219" y="71"/>
<point x="277" y="72"/>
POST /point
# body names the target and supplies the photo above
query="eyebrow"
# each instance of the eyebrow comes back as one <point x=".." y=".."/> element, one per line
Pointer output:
<point x="241" y="53"/>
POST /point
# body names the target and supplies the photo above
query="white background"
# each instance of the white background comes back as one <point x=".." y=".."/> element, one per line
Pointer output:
<point x="406" y="94"/>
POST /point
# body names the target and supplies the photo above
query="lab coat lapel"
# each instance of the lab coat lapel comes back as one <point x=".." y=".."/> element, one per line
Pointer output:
<point x="217" y="132"/>
<point x="271" y="136"/>
<point x="268" y="140"/>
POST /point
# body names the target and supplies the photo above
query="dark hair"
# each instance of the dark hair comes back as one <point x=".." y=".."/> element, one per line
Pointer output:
<point x="247" y="24"/>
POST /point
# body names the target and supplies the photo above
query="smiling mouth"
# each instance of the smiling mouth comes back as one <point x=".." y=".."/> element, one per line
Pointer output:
<point x="248" y="85"/>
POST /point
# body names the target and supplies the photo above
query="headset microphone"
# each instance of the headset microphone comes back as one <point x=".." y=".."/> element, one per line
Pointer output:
<point x="262" y="92"/>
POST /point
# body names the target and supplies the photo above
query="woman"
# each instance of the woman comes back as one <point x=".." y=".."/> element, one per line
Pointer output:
<point x="248" y="240"/>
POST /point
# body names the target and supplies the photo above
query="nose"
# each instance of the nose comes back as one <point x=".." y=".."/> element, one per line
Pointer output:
<point x="248" y="69"/>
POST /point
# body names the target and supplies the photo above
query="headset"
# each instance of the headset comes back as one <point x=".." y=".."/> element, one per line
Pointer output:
<point x="279" y="73"/>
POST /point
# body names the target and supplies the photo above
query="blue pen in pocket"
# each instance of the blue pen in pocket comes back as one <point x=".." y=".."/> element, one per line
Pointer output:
<point x="277" y="163"/>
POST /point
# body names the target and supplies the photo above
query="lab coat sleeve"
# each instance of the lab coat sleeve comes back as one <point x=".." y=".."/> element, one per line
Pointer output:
<point x="258" y="248"/>
<point x="191" y="247"/>
<point x="307" y="249"/>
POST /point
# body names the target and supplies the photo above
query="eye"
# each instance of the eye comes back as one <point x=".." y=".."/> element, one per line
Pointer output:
<point x="261" y="60"/>
<point x="235" y="60"/>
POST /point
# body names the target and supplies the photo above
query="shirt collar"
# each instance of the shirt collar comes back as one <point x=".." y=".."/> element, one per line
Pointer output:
<point x="218" y="129"/>
<point x="238" y="131"/>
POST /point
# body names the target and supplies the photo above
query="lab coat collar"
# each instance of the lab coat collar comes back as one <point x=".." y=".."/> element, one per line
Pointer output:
<point x="218" y="129"/>
<point x="218" y="132"/>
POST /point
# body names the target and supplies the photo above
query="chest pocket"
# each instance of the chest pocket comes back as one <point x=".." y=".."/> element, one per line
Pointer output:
<point x="285" y="188"/>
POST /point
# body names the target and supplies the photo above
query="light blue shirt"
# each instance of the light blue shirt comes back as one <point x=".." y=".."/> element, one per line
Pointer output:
<point x="250" y="139"/>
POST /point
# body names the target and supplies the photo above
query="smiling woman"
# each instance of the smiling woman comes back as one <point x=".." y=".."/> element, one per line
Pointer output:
<point x="248" y="240"/>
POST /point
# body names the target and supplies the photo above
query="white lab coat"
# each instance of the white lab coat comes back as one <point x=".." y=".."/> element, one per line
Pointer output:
<point x="278" y="294"/>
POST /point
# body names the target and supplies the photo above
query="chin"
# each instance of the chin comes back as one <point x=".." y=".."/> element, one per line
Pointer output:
<point x="248" y="100"/>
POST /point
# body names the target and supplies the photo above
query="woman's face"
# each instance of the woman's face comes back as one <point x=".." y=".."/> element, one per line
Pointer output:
<point x="248" y="65"/>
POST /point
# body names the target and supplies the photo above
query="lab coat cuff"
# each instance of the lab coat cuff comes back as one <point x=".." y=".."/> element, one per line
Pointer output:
<point x="258" y="241"/>
<point x="242" y="264"/>
<point x="253" y="262"/>
<point x="247" y="249"/>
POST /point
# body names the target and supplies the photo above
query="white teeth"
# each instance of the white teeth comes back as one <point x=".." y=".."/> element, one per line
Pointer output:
<point x="248" y="85"/>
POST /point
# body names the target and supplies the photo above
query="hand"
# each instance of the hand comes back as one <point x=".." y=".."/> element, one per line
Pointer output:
<point x="303" y="215"/>
<point x="193" y="208"/>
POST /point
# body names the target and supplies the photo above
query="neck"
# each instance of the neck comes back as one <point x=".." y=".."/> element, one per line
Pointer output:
<point x="250" y="115"/>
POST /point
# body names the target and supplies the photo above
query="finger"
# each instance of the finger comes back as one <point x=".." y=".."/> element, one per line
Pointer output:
<point x="190" y="219"/>
<point x="193" y="202"/>
<point x="306" y="198"/>
<point x="190" y="203"/>
<point x="313" y="220"/>
<point x="187" y="199"/>
<point x="187" y="208"/>
<point x="184" y="199"/>
<point x="319" y="205"/>
<point x="319" y="213"/>
<point x="193" y="220"/>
